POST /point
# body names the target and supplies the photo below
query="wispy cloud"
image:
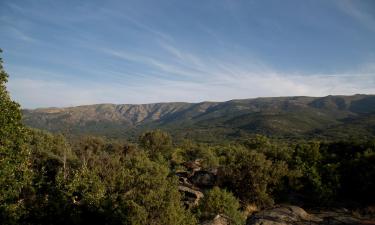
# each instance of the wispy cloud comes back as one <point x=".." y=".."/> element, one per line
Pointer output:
<point x="15" y="30"/>
<point x="219" y="88"/>
<point x="195" y="78"/>
<point x="122" y="55"/>
<point x="21" y="35"/>
<point x="162" y="65"/>
<point x="182" y="56"/>
<point x="362" y="16"/>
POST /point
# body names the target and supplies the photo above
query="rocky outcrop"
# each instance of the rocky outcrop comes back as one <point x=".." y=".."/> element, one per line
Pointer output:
<point x="339" y="216"/>
<point x="204" y="179"/>
<point x="184" y="181"/>
<point x="218" y="220"/>
<point x="196" y="176"/>
<point x="283" y="215"/>
<point x="191" y="196"/>
<point x="192" y="181"/>
<point x="288" y="214"/>
<point x="193" y="166"/>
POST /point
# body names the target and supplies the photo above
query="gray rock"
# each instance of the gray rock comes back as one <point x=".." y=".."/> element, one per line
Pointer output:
<point x="282" y="215"/>
<point x="339" y="216"/>
<point x="191" y="196"/>
<point x="183" y="181"/>
<point x="193" y="166"/>
<point x="203" y="179"/>
<point x="218" y="220"/>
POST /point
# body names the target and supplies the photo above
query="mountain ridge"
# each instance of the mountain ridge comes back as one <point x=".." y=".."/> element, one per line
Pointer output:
<point x="275" y="116"/>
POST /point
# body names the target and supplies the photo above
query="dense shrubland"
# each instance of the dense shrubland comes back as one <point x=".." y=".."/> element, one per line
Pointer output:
<point x="52" y="179"/>
<point x="98" y="181"/>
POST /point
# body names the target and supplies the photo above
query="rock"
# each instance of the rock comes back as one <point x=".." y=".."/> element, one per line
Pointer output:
<point x="183" y="181"/>
<point x="249" y="209"/>
<point x="282" y="215"/>
<point x="203" y="179"/>
<point x="183" y="174"/>
<point x="193" y="166"/>
<point x="266" y="222"/>
<point x="218" y="220"/>
<point x="338" y="216"/>
<point x="191" y="196"/>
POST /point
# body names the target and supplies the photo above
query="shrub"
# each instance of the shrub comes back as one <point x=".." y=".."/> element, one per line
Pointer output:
<point x="250" y="175"/>
<point x="157" y="143"/>
<point x="219" y="201"/>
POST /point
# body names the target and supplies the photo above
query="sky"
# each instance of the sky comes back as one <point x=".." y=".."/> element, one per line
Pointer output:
<point x="67" y="53"/>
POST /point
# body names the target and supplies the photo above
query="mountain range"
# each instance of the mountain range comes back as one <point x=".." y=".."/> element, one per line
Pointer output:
<point x="282" y="117"/>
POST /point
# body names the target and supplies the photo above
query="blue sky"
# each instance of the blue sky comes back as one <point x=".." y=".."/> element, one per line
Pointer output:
<point x="65" y="53"/>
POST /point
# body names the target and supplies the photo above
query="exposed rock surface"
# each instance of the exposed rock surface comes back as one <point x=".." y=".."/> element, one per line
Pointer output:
<point x="203" y="179"/>
<point x="193" y="166"/>
<point x="282" y="215"/>
<point x="193" y="180"/>
<point x="339" y="216"/>
<point x="218" y="220"/>
<point x="288" y="214"/>
<point x="191" y="196"/>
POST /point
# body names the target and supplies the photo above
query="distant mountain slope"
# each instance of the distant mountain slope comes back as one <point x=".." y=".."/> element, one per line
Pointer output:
<point x="281" y="117"/>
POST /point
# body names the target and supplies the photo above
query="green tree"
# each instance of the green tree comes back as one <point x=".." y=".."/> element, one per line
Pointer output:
<point x="14" y="163"/>
<point x="148" y="194"/>
<point x="219" y="201"/>
<point x="307" y="159"/>
<point x="126" y="189"/>
<point x="156" y="143"/>
<point x="250" y="175"/>
<point x="189" y="151"/>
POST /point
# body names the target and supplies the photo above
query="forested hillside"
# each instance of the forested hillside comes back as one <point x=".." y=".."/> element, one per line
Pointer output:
<point x="285" y="117"/>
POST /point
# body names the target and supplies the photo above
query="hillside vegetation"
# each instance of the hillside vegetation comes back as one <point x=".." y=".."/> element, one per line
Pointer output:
<point x="285" y="117"/>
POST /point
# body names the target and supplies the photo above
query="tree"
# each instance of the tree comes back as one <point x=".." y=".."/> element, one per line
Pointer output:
<point x="250" y="175"/>
<point x="156" y="143"/>
<point x="126" y="189"/>
<point x="148" y="195"/>
<point x="190" y="151"/>
<point x="307" y="159"/>
<point x="14" y="163"/>
<point x="219" y="201"/>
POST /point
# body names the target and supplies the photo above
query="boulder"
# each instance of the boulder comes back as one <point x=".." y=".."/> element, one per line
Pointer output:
<point x="282" y="215"/>
<point x="203" y="179"/>
<point x="338" y="216"/>
<point x="218" y="220"/>
<point x="193" y="166"/>
<point x="183" y="174"/>
<point x="183" y="181"/>
<point x="191" y="196"/>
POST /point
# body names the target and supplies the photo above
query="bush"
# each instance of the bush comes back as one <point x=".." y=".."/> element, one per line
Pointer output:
<point x="130" y="190"/>
<point x="219" y="201"/>
<point x="157" y="143"/>
<point x="190" y="151"/>
<point x="250" y="175"/>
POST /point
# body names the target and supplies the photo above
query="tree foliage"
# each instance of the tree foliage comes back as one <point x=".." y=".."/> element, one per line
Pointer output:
<point x="219" y="201"/>
<point x="157" y="143"/>
<point x="250" y="175"/>
<point x="14" y="163"/>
